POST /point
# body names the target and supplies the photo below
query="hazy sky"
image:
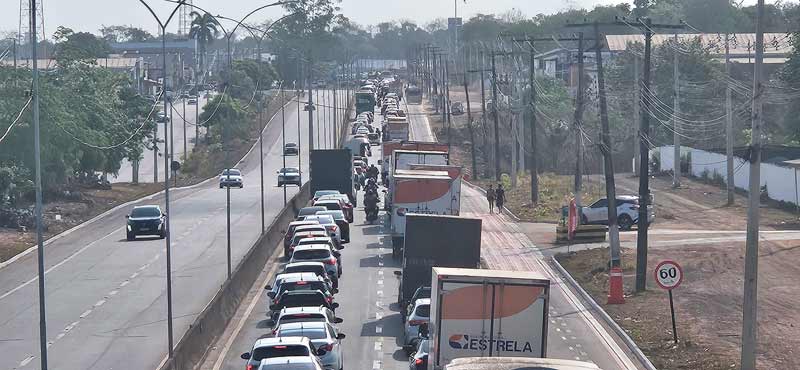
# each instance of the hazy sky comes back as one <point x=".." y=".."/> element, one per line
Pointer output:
<point x="89" y="15"/>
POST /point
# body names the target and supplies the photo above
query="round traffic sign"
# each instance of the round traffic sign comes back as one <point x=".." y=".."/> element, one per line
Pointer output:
<point x="668" y="274"/>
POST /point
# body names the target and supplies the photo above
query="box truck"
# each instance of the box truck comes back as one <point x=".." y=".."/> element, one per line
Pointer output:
<point x="435" y="240"/>
<point x="487" y="313"/>
<point x="332" y="169"/>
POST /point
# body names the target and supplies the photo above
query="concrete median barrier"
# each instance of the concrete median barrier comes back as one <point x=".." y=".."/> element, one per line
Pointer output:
<point x="210" y="324"/>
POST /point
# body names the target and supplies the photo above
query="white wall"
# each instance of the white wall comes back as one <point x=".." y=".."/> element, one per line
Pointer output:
<point x="780" y="181"/>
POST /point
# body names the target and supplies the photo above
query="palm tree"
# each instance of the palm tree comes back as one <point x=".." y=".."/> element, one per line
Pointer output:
<point x="204" y="30"/>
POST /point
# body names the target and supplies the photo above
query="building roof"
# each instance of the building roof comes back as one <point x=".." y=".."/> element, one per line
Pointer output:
<point x="741" y="45"/>
<point x="113" y="63"/>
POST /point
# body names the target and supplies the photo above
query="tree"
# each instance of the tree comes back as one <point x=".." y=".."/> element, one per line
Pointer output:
<point x="80" y="46"/>
<point x="116" y="34"/>
<point x="205" y="30"/>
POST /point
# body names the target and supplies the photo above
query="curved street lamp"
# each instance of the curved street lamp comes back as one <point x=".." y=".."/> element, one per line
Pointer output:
<point x="228" y="36"/>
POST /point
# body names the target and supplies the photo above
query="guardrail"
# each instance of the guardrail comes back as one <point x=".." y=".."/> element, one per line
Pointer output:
<point x="210" y="324"/>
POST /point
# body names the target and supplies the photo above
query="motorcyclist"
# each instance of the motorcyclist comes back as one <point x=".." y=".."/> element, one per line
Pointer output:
<point x="372" y="171"/>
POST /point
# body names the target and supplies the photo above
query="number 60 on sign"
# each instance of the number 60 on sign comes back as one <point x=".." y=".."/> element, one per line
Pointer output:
<point x="668" y="275"/>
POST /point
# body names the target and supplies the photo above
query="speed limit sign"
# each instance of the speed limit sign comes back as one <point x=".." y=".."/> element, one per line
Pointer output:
<point x="668" y="275"/>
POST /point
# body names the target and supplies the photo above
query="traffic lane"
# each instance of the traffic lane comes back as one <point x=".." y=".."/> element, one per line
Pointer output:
<point x="146" y="165"/>
<point x="573" y="332"/>
<point x="197" y="270"/>
<point x="79" y="299"/>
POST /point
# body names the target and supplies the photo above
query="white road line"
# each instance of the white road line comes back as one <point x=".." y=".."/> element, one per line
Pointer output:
<point x="144" y="267"/>
<point x="134" y="275"/>
<point x="57" y="265"/>
<point x="224" y="351"/>
<point x="26" y="361"/>
<point x="380" y="263"/>
<point x="378" y="329"/>
<point x="378" y="316"/>
<point x="100" y="303"/>
<point x="85" y="313"/>
<point x="380" y="273"/>
<point x="113" y="293"/>
<point x="124" y="283"/>
<point x="380" y="282"/>
<point x="378" y="346"/>
<point x="376" y="364"/>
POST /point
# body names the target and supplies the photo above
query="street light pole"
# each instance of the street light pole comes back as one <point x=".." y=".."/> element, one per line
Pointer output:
<point x="38" y="184"/>
<point x="163" y="26"/>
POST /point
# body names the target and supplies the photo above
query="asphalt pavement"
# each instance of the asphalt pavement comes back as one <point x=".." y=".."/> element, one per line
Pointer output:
<point x="367" y="292"/>
<point x="106" y="297"/>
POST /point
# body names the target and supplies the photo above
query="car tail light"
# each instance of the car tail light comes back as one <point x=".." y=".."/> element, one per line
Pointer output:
<point x="333" y="228"/>
<point x="415" y="322"/>
<point x="279" y="347"/>
<point x="250" y="367"/>
<point x="301" y="283"/>
<point x="274" y="331"/>
<point x="329" y="299"/>
<point x="328" y="347"/>
<point x="418" y="361"/>
<point x="331" y="261"/>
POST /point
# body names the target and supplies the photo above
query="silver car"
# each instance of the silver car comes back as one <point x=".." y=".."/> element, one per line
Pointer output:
<point x="325" y="337"/>
<point x="421" y="314"/>
<point x="318" y="253"/>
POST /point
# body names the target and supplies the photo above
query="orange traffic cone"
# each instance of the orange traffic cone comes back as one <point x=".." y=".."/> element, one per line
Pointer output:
<point x="615" y="295"/>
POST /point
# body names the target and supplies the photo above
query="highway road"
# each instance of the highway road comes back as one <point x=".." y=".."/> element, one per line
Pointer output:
<point x="106" y="302"/>
<point x="146" y="165"/>
<point x="367" y="292"/>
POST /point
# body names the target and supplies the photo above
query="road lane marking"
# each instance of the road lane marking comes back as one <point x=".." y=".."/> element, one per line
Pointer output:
<point x="378" y="316"/>
<point x="26" y="361"/>
<point x="100" y="303"/>
<point x="380" y="282"/>
<point x="376" y="364"/>
<point x="113" y="293"/>
<point x="57" y="265"/>
<point x="134" y="275"/>
<point x="86" y="313"/>
<point x="380" y="293"/>
<point x="378" y="329"/>
<point x="378" y="346"/>
<point x="124" y="283"/>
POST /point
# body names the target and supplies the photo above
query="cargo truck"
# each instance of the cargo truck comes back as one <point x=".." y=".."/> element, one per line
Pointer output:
<point x="487" y="313"/>
<point x="397" y="127"/>
<point x="436" y="241"/>
<point x="403" y="159"/>
<point x="365" y="100"/>
<point x="456" y="174"/>
<point x="421" y="192"/>
<point x="332" y="169"/>
<point x="389" y="148"/>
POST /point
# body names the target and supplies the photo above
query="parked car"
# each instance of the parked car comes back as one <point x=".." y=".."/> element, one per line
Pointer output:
<point x="344" y="201"/>
<point x="291" y="149"/>
<point x="301" y="298"/>
<point x="324" y="336"/>
<point x="277" y="287"/>
<point x="627" y="212"/>
<point x="146" y="220"/>
<point x="307" y="266"/>
<point x="302" y="235"/>
<point x="320" y="193"/>
<point x="231" y="177"/>
<point x="330" y="224"/>
<point x="420" y="293"/>
<point x="341" y="221"/>
<point x="289" y="176"/>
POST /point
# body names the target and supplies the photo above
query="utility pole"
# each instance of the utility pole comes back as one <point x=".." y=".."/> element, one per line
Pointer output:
<point x="647" y="27"/>
<point x="496" y="121"/>
<point x="483" y="110"/>
<point x="447" y="99"/>
<point x="470" y="127"/>
<point x="728" y="125"/>
<point x="676" y="137"/>
<point x="534" y="167"/>
<point x="749" y="307"/>
<point x="636" y="104"/>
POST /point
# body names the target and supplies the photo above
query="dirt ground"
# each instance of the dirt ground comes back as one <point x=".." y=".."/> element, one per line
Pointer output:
<point x="709" y="302"/>
<point x="62" y="215"/>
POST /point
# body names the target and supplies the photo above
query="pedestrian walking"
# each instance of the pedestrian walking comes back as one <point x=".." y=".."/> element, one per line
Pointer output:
<point x="490" y="196"/>
<point x="500" y="197"/>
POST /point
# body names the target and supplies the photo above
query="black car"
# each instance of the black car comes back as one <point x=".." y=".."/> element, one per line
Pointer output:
<point x="290" y="149"/>
<point x="419" y="359"/>
<point x="146" y="220"/>
<point x="302" y="298"/>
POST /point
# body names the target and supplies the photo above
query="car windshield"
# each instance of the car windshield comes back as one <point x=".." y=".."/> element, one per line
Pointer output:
<point x="310" y="211"/>
<point x="311" y="254"/>
<point x="290" y="170"/>
<point x="279" y="351"/>
<point x="423" y="311"/>
<point x="302" y="285"/>
<point x="305" y="268"/>
<point x="232" y="172"/>
<point x="302" y="300"/>
<point x="337" y="215"/>
<point x="291" y="366"/>
<point x="320" y="193"/>
<point x="331" y="205"/>
<point x="310" y="333"/>
<point x="323" y="219"/>
<point x="145" y="212"/>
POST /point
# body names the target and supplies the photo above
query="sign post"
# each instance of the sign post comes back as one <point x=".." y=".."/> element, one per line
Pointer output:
<point x="668" y="276"/>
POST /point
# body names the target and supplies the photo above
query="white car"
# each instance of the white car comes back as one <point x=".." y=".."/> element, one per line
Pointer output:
<point x="269" y="348"/>
<point x="307" y="314"/>
<point x="325" y="337"/>
<point x="330" y="224"/>
<point x="318" y="253"/>
<point x="627" y="212"/>
<point x="231" y="177"/>
<point x="289" y="176"/>
<point x="420" y="314"/>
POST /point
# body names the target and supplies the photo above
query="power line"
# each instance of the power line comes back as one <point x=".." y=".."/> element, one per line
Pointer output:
<point x="19" y="115"/>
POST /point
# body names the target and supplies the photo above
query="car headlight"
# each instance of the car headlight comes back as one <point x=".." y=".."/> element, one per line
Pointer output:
<point x="128" y="226"/>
